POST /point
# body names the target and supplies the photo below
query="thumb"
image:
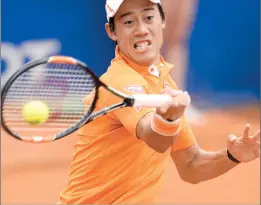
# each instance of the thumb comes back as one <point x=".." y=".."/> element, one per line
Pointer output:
<point x="175" y="93"/>
<point x="171" y="92"/>
<point x="232" y="138"/>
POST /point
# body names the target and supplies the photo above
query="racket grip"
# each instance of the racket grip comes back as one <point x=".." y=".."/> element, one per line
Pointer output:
<point x="151" y="100"/>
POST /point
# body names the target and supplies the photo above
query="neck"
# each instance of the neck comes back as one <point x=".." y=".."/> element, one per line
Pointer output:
<point x="157" y="61"/>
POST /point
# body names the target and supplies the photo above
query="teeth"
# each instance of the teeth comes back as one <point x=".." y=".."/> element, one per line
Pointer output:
<point x="141" y="45"/>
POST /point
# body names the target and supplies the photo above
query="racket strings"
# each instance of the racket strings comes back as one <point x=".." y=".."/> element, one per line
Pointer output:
<point x="62" y="87"/>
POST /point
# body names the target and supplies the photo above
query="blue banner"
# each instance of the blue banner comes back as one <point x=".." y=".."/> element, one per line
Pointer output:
<point x="224" y="46"/>
<point x="35" y="29"/>
<point x="225" y="50"/>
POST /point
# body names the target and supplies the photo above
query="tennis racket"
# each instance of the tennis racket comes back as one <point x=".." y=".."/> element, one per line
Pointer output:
<point x="62" y="83"/>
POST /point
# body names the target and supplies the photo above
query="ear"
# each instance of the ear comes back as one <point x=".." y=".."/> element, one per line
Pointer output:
<point x="110" y="33"/>
<point x="164" y="24"/>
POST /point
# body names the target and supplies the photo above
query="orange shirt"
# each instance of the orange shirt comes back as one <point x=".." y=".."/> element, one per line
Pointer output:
<point x="110" y="164"/>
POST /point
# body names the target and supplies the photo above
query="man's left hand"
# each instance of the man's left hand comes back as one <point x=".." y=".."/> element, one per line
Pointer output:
<point x="245" y="148"/>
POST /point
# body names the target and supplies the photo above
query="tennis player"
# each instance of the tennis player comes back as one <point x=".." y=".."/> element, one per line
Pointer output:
<point x="121" y="157"/>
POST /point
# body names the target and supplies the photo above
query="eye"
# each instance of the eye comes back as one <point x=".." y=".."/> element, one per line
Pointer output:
<point x="128" y="22"/>
<point x="150" y="17"/>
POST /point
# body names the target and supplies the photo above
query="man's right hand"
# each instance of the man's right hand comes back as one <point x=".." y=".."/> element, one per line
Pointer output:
<point x="175" y="109"/>
<point x="155" y="128"/>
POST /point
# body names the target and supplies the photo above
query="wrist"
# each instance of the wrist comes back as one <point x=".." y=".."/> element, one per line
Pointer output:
<point x="232" y="158"/>
<point x="165" y="127"/>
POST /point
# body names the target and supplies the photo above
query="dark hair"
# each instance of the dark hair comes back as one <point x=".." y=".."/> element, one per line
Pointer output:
<point x="112" y="25"/>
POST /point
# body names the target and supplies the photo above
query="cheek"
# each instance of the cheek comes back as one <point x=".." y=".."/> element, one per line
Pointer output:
<point x="159" y="35"/>
<point x="124" y="40"/>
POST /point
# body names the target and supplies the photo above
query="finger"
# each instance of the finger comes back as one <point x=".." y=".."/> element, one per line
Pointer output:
<point x="175" y="93"/>
<point x="163" y="110"/>
<point x="179" y="106"/>
<point x="246" y="131"/>
<point x="232" y="138"/>
<point x="171" y="92"/>
<point x="174" y="111"/>
<point x="186" y="99"/>
<point x="256" y="136"/>
<point x="165" y="91"/>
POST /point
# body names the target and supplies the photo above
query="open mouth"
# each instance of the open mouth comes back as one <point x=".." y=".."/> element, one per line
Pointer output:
<point x="142" y="45"/>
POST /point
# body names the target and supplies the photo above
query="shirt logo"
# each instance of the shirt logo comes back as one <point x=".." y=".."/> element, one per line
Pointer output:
<point x="134" y="88"/>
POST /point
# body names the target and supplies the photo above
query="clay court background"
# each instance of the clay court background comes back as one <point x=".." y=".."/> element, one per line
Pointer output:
<point x="225" y="58"/>
<point x="35" y="174"/>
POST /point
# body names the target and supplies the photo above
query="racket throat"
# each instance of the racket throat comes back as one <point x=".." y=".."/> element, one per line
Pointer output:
<point x="129" y="101"/>
<point x="109" y="109"/>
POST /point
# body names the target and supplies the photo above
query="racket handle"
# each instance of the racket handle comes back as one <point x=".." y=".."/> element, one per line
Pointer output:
<point x="151" y="100"/>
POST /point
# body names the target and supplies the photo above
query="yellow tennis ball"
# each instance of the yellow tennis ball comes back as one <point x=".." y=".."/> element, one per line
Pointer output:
<point x="35" y="112"/>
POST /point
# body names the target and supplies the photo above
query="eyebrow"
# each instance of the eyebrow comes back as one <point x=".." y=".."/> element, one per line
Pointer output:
<point x="128" y="13"/>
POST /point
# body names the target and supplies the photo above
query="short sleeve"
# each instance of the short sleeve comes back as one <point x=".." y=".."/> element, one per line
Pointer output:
<point x="129" y="117"/>
<point x="185" y="138"/>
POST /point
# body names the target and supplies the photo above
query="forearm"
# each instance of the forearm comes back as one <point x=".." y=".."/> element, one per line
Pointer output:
<point x="159" y="143"/>
<point x="196" y="165"/>
<point x="160" y="128"/>
<point x="209" y="165"/>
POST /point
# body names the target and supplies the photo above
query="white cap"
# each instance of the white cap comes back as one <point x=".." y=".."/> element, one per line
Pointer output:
<point x="112" y="6"/>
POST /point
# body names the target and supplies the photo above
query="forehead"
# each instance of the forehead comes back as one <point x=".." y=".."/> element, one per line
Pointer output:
<point x="134" y="6"/>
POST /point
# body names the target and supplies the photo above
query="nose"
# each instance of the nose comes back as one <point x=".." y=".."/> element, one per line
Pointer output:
<point x="141" y="29"/>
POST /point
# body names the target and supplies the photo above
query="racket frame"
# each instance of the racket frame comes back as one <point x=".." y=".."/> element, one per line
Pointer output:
<point x="89" y="116"/>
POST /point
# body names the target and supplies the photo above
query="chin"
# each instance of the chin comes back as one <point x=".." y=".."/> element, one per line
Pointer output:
<point x="145" y="62"/>
<point x="146" y="59"/>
